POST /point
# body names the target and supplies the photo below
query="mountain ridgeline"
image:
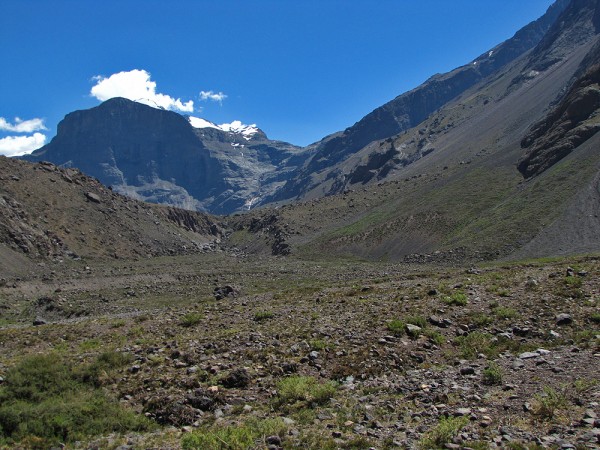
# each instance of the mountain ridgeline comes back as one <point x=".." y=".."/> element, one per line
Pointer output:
<point x="411" y="108"/>
<point x="496" y="158"/>
<point x="158" y="156"/>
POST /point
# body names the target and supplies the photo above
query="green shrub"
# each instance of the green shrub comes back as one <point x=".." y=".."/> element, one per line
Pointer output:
<point x="571" y="287"/>
<point x="595" y="317"/>
<point x="263" y="315"/>
<point x="38" y="377"/>
<point x="456" y="299"/>
<point x="582" y="385"/>
<point x="435" y="336"/>
<point x="479" y="319"/>
<point x="396" y="327"/>
<point x="574" y="282"/>
<point x="503" y="312"/>
<point x="479" y="445"/>
<point x="419" y="321"/>
<point x="305" y="390"/>
<point x="585" y="336"/>
<point x="47" y="401"/>
<point x="90" y="344"/>
<point x="118" y="323"/>
<point x="548" y="403"/>
<point x="473" y="343"/>
<point x="191" y="319"/>
<point x="318" y="344"/>
<point x="443" y="432"/>
<point x="104" y="364"/>
<point x="234" y="437"/>
<point x="492" y="374"/>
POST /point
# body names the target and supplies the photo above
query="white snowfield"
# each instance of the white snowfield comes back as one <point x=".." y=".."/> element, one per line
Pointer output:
<point x="236" y="127"/>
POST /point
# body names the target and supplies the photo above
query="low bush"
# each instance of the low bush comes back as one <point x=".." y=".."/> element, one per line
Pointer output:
<point x="492" y="374"/>
<point x="47" y="401"/>
<point x="473" y="343"/>
<point x="480" y="319"/>
<point x="304" y="390"/>
<point x="503" y="312"/>
<point x="419" y="321"/>
<point x="443" y="432"/>
<point x="396" y="327"/>
<point x="263" y="315"/>
<point x="251" y="434"/>
<point x="547" y="403"/>
<point x="434" y="336"/>
<point x="318" y="344"/>
<point x="456" y="299"/>
<point x="191" y="319"/>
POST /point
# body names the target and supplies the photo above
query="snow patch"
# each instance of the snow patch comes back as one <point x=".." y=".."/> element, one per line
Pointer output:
<point x="235" y="127"/>
<point x="197" y="122"/>
<point x="249" y="203"/>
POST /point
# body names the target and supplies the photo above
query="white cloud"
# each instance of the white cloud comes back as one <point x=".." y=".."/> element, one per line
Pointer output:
<point x="22" y="126"/>
<point x="214" y="96"/>
<point x="136" y="85"/>
<point x="21" y="145"/>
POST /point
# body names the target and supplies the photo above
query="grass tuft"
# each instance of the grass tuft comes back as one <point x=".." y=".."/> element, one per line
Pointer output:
<point x="492" y="374"/>
<point x="443" y="432"/>
<point x="456" y="299"/>
<point x="191" y="319"/>
<point x="548" y="403"/>
<point x="304" y="390"/>
<point x="261" y="316"/>
<point x="396" y="327"/>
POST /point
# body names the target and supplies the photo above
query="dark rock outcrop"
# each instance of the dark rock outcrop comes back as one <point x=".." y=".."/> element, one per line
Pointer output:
<point x="572" y="122"/>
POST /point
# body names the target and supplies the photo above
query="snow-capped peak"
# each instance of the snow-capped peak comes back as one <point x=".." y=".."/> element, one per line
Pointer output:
<point x="235" y="127"/>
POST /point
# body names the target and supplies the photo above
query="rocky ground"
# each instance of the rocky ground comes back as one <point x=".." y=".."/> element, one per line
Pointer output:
<point x="328" y="355"/>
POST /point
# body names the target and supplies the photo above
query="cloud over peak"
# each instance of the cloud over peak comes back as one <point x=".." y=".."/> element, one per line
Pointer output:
<point x="137" y="85"/>
<point x="214" y="96"/>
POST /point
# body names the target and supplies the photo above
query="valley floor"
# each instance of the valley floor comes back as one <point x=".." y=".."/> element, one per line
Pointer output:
<point x="303" y="354"/>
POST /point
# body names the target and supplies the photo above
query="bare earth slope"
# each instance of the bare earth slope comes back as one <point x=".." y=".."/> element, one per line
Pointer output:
<point x="48" y="213"/>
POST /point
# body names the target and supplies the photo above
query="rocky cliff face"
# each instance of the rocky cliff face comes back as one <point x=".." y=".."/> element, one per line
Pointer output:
<point x="136" y="149"/>
<point x="578" y="23"/>
<point x="158" y="156"/>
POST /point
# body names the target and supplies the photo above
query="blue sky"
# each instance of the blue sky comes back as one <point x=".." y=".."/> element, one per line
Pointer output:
<point x="300" y="70"/>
